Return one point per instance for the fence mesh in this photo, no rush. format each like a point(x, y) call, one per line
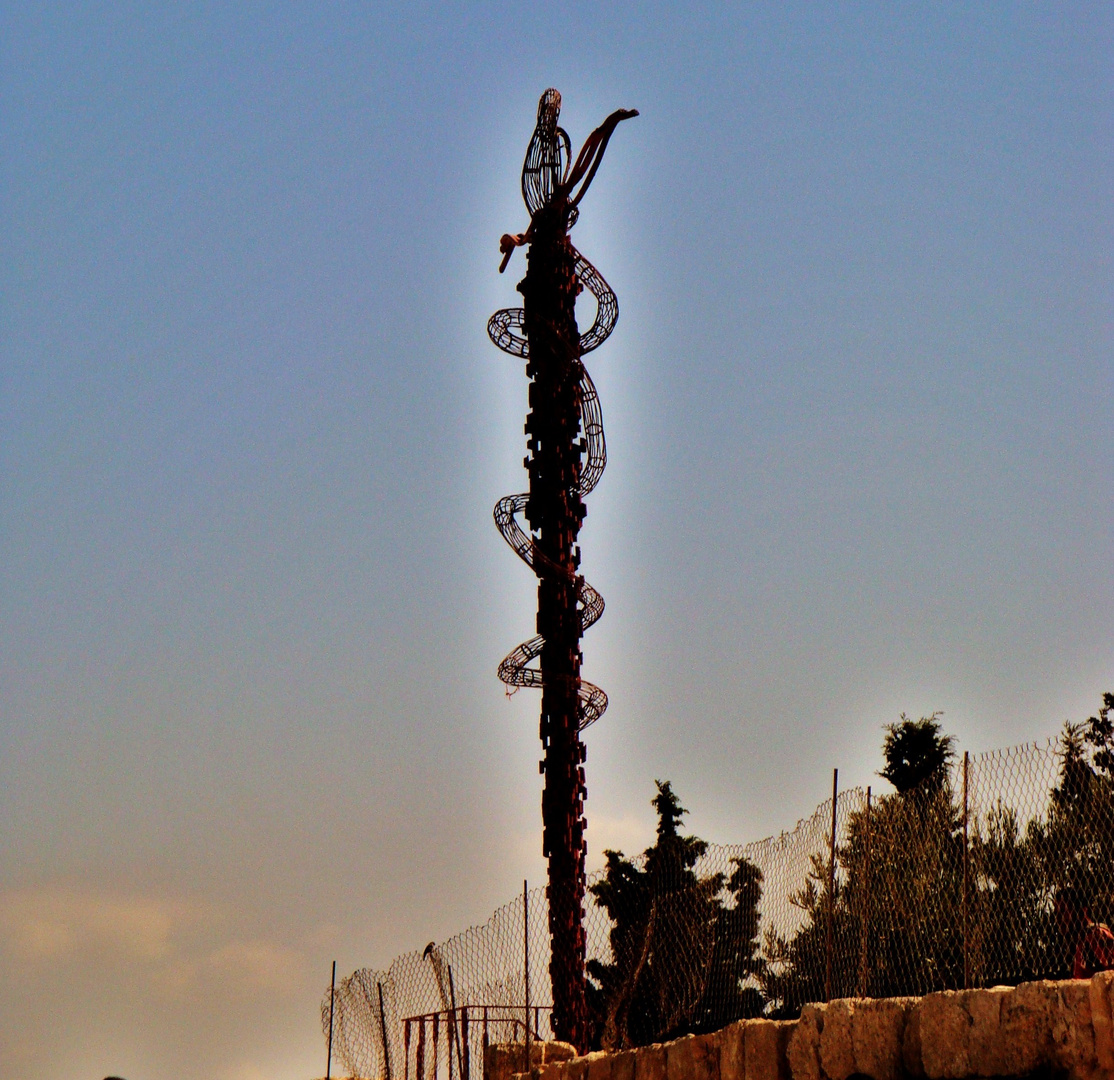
point(951, 884)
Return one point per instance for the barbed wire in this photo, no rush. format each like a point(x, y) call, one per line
point(947, 885)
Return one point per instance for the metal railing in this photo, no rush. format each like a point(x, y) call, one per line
point(426, 1050)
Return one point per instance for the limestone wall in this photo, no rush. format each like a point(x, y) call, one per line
point(1044, 1029)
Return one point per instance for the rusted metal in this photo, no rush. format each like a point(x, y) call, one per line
point(865, 901)
point(966, 877)
point(831, 891)
point(454, 1030)
point(526, 966)
point(332, 1006)
point(462, 1020)
point(466, 1061)
point(383, 1032)
point(566, 458)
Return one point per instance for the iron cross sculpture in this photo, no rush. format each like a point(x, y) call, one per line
point(566, 458)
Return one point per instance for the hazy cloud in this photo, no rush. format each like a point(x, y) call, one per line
point(258, 965)
point(178, 942)
point(61, 924)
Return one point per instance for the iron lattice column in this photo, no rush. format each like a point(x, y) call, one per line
point(555, 512)
point(565, 460)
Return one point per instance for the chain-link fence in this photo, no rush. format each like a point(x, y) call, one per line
point(957, 882)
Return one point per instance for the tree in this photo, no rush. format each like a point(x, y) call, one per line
point(895, 908)
point(1068, 849)
point(900, 887)
point(917, 754)
point(682, 945)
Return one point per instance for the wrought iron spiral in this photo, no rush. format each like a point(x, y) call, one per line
point(505, 330)
point(548, 173)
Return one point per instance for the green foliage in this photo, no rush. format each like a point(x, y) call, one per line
point(900, 903)
point(1018, 872)
point(681, 945)
point(917, 754)
point(895, 929)
point(910, 909)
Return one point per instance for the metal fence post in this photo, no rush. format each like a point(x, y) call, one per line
point(455, 1031)
point(466, 1063)
point(865, 903)
point(966, 878)
point(419, 1054)
point(526, 965)
point(831, 892)
point(406, 1050)
point(383, 1032)
point(332, 1004)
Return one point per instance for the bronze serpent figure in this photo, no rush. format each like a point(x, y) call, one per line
point(549, 178)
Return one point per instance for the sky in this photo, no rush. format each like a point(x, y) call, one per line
point(252, 600)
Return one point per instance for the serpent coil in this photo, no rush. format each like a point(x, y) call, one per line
point(548, 178)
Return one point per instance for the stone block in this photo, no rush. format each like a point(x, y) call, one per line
point(730, 1040)
point(764, 1050)
point(705, 1057)
point(986, 1052)
point(599, 1065)
point(505, 1060)
point(944, 1029)
point(576, 1068)
point(837, 1057)
point(911, 1042)
point(551, 1070)
point(556, 1051)
point(1056, 1029)
point(1073, 1033)
point(803, 1050)
point(877, 1033)
point(1101, 995)
point(1026, 1027)
point(649, 1062)
point(622, 1065)
point(679, 1061)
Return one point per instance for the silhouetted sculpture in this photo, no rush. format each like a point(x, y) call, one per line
point(566, 458)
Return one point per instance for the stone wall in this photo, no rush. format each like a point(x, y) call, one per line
point(1043, 1029)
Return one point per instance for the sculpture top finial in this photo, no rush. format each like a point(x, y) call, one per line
point(547, 157)
point(548, 173)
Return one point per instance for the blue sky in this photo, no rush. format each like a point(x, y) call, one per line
point(251, 430)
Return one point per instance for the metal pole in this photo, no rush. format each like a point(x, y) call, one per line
point(831, 892)
point(455, 1031)
point(332, 1002)
point(383, 1032)
point(436, 1039)
point(864, 912)
point(406, 1050)
point(485, 1043)
point(966, 878)
point(526, 964)
point(466, 1067)
point(419, 1054)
